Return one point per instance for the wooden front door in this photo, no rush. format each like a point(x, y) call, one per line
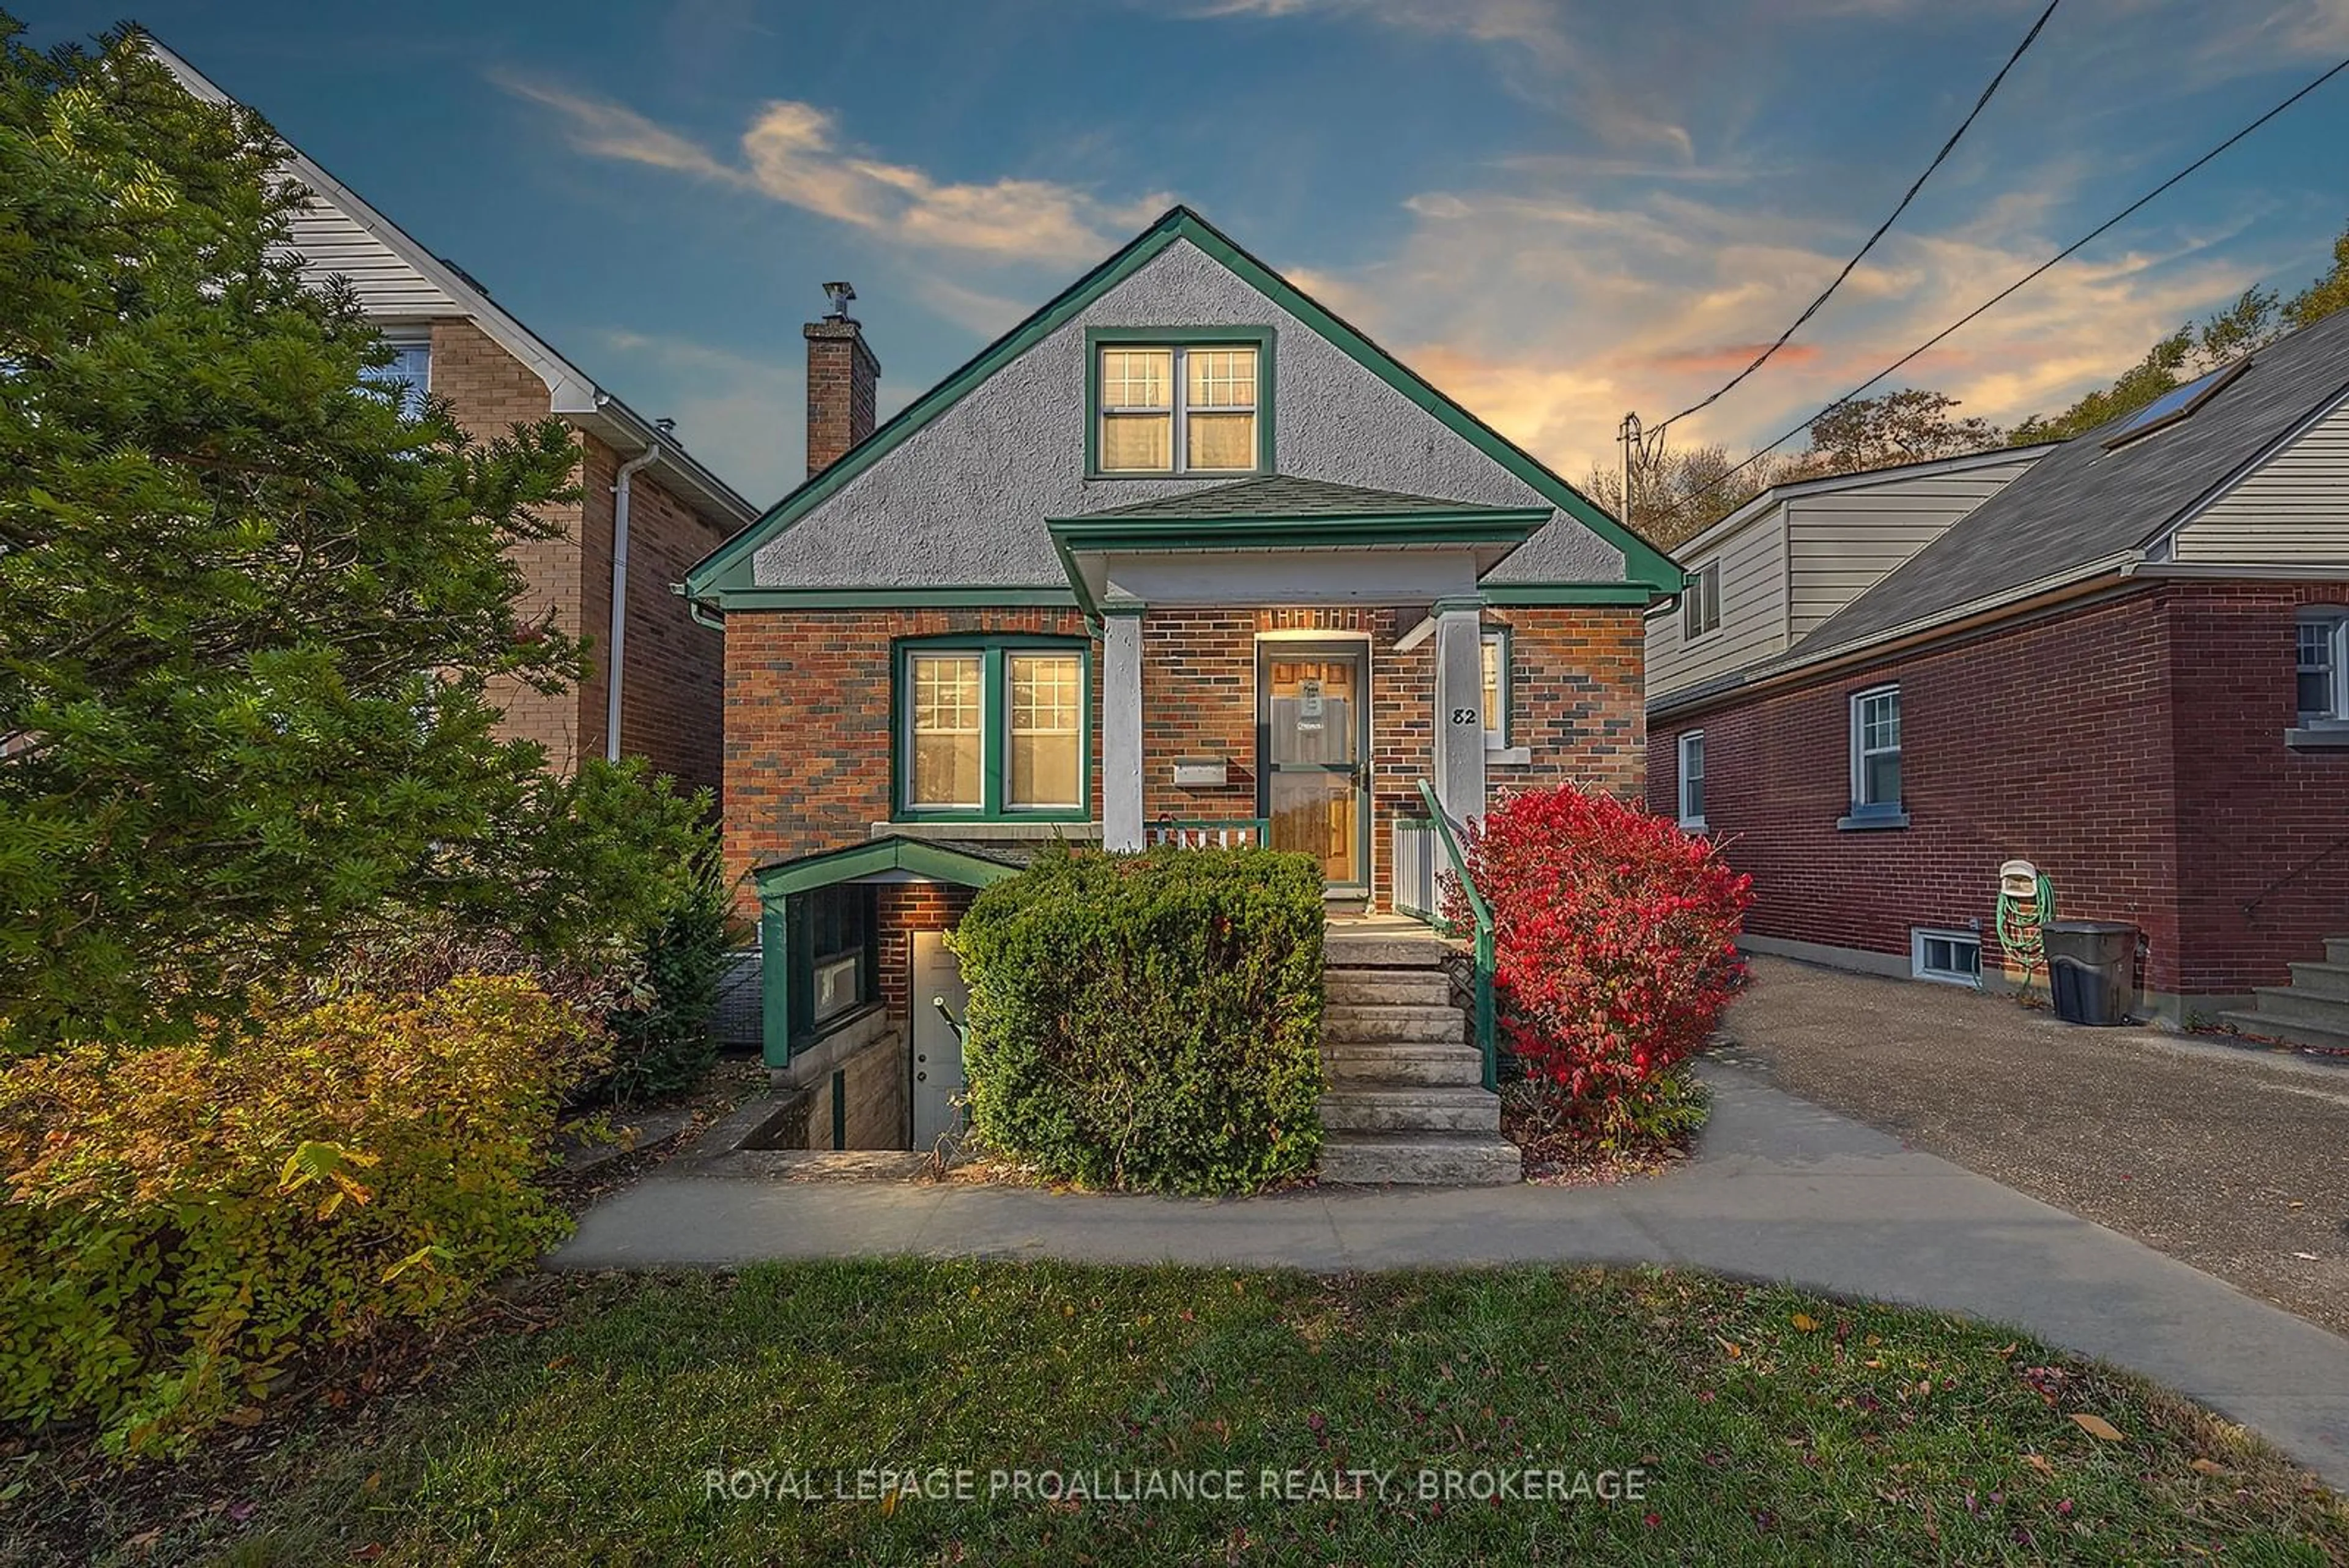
point(1313, 743)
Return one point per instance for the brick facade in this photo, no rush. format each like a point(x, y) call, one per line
point(842, 391)
point(2132, 748)
point(672, 709)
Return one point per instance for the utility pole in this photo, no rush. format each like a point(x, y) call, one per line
point(1629, 435)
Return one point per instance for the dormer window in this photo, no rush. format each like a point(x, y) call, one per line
point(1180, 403)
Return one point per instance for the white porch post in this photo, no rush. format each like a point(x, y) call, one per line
point(1459, 709)
point(1121, 728)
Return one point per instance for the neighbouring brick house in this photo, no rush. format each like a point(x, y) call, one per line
point(1182, 555)
point(646, 512)
point(2123, 658)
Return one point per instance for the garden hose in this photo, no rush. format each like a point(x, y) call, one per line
point(2020, 920)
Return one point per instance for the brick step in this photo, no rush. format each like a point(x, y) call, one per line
point(2296, 1006)
point(1358, 1023)
point(1345, 950)
point(2268, 1026)
point(1421, 1160)
point(1377, 1064)
point(1408, 988)
point(2336, 950)
point(2320, 979)
point(1354, 1107)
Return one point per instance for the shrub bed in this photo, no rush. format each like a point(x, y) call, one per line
point(1150, 1021)
point(178, 1223)
point(1614, 954)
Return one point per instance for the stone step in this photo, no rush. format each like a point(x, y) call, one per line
point(2320, 979)
point(1358, 1022)
point(1352, 1108)
point(1390, 987)
point(2271, 1027)
point(1421, 1160)
point(2336, 950)
point(1370, 1065)
point(1346, 950)
point(2296, 1006)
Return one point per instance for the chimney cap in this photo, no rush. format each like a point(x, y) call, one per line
point(839, 294)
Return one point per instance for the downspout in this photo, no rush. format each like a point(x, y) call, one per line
point(614, 660)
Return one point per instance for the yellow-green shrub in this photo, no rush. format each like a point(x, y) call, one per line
point(178, 1223)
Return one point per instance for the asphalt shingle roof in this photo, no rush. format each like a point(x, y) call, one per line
point(1285, 496)
point(2081, 504)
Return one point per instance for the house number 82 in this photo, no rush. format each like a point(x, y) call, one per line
point(1464, 715)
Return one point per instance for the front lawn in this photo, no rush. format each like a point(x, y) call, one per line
point(1765, 1425)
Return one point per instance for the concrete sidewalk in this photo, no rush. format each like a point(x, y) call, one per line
point(1779, 1190)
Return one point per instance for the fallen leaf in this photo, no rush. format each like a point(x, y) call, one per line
point(1731, 1348)
point(2007, 1349)
point(2097, 1427)
point(559, 1363)
point(2299, 1203)
point(2210, 1467)
point(2039, 1462)
point(1806, 1321)
point(2309, 1256)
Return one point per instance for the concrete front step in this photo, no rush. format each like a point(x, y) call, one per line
point(1373, 1063)
point(1357, 1024)
point(1353, 1106)
point(1344, 950)
point(2336, 950)
point(1421, 1160)
point(2321, 978)
point(2274, 1028)
point(1386, 987)
point(2293, 1005)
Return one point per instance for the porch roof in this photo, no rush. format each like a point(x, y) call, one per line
point(963, 863)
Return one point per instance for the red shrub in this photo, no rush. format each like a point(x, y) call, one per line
point(1614, 938)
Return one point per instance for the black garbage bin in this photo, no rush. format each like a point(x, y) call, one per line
point(2091, 968)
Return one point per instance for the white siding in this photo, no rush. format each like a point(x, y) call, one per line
point(334, 243)
point(1753, 610)
point(2295, 507)
point(1843, 543)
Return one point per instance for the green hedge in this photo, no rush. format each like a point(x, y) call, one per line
point(1151, 1021)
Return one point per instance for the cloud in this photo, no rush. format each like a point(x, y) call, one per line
point(792, 153)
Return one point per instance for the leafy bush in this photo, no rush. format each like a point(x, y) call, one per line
point(1150, 1021)
point(664, 1044)
point(178, 1222)
point(1614, 945)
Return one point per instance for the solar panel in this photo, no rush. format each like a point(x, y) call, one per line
point(2176, 404)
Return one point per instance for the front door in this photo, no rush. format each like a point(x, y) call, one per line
point(1313, 721)
point(937, 1043)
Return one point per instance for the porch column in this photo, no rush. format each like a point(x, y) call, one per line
point(1121, 728)
point(1459, 709)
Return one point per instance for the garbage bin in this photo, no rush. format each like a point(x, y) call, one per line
point(2091, 968)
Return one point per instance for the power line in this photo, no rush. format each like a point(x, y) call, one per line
point(2033, 276)
point(1861, 255)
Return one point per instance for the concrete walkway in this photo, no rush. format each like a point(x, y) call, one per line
point(1779, 1190)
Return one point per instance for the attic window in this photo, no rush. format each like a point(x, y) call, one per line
point(1180, 403)
point(2177, 403)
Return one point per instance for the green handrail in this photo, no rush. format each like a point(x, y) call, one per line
point(1487, 1043)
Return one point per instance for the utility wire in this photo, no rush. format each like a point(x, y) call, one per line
point(1861, 255)
point(2033, 276)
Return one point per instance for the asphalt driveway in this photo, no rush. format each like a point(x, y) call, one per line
point(2233, 1161)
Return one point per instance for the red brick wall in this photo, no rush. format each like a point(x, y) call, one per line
point(2115, 745)
point(1576, 699)
point(843, 388)
point(901, 910)
point(673, 713)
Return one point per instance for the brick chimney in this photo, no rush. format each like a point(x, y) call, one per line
point(841, 378)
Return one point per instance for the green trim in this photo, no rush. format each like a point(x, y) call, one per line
point(1259, 337)
point(1487, 1031)
point(1643, 563)
point(1095, 535)
point(932, 862)
point(889, 598)
point(774, 985)
point(1536, 596)
point(994, 717)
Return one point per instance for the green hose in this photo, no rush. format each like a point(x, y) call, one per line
point(2019, 924)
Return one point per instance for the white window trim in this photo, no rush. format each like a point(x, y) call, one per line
point(401, 340)
point(1496, 736)
point(2337, 625)
point(1920, 935)
point(1178, 410)
point(1680, 781)
point(1694, 597)
point(1860, 807)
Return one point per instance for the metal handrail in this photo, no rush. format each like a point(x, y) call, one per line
point(1487, 1045)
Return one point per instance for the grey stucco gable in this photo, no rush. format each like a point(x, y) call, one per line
point(959, 501)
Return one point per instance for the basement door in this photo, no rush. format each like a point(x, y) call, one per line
point(1313, 742)
point(937, 1042)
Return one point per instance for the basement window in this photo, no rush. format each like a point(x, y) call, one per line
point(1951, 958)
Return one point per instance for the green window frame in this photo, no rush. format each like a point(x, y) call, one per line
point(1179, 341)
point(993, 727)
point(834, 939)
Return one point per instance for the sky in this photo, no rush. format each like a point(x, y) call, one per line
point(1555, 210)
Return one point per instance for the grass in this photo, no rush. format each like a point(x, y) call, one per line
point(1771, 1426)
